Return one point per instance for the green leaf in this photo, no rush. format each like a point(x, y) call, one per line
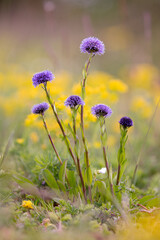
point(62, 172)
point(50, 180)
point(102, 188)
point(154, 202)
point(71, 178)
point(123, 167)
point(150, 201)
point(145, 199)
point(61, 186)
point(70, 129)
point(21, 179)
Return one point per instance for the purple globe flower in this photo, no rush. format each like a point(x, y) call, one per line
point(92, 45)
point(101, 110)
point(126, 122)
point(40, 108)
point(74, 101)
point(42, 77)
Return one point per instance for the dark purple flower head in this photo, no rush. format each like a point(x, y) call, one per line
point(74, 101)
point(92, 45)
point(42, 77)
point(101, 110)
point(40, 108)
point(126, 122)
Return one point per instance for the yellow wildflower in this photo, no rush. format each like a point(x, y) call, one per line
point(117, 86)
point(76, 89)
point(97, 144)
point(143, 107)
point(20, 140)
point(30, 119)
point(143, 76)
point(43, 146)
point(34, 137)
point(111, 141)
point(27, 204)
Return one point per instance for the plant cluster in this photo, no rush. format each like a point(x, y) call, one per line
point(82, 182)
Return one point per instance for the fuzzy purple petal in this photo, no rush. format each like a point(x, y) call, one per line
point(74, 101)
point(42, 77)
point(101, 110)
point(92, 45)
point(40, 108)
point(126, 122)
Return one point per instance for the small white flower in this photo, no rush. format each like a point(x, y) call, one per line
point(102, 170)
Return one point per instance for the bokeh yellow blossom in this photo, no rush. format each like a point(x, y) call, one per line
point(117, 85)
point(143, 76)
point(34, 137)
point(27, 204)
point(20, 140)
point(142, 106)
point(30, 119)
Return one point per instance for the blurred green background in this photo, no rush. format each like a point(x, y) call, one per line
point(38, 34)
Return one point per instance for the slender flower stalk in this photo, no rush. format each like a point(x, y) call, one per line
point(103, 140)
point(77, 156)
point(40, 109)
point(85, 74)
point(83, 84)
point(125, 123)
point(74, 102)
point(102, 111)
point(93, 46)
point(77, 164)
point(50, 139)
point(59, 123)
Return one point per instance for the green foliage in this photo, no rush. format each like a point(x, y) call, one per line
point(49, 178)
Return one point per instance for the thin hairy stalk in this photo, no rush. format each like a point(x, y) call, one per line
point(81, 178)
point(86, 154)
point(60, 124)
point(145, 139)
point(121, 151)
point(83, 84)
point(103, 136)
point(85, 74)
point(74, 113)
point(50, 139)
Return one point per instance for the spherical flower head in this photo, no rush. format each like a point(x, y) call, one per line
point(74, 101)
point(126, 122)
point(42, 77)
point(40, 108)
point(92, 45)
point(101, 110)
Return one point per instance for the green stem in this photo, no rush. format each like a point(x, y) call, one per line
point(103, 135)
point(121, 152)
point(50, 139)
point(83, 84)
point(85, 74)
point(74, 113)
point(66, 139)
point(60, 124)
